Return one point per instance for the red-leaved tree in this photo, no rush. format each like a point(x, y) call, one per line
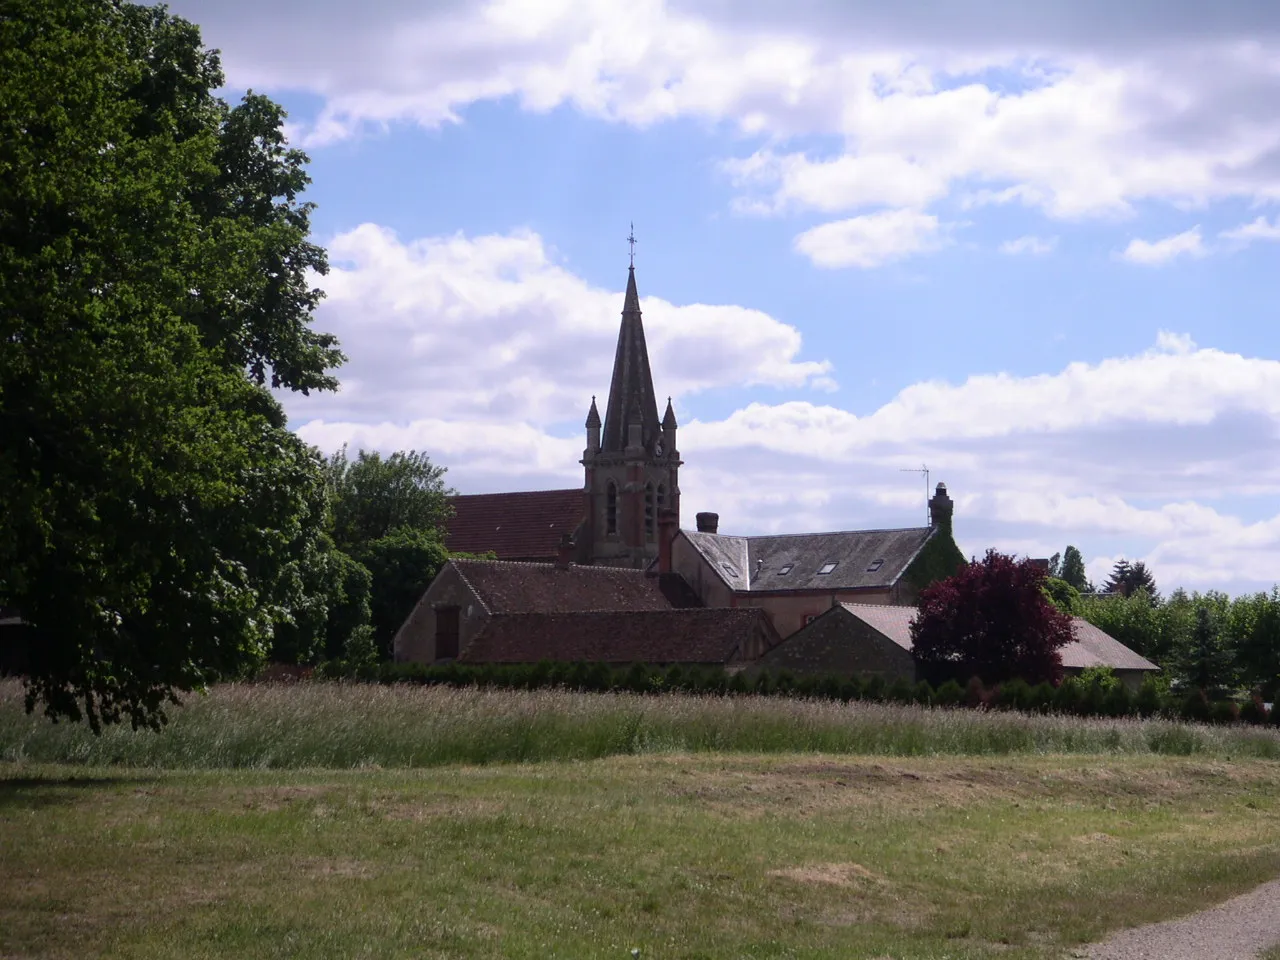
point(991, 620)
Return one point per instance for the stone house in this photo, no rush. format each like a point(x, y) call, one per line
point(856, 638)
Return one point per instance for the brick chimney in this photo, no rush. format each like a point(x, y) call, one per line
point(941, 507)
point(564, 553)
point(668, 527)
point(708, 523)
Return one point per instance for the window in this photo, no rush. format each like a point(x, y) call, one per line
point(875, 565)
point(662, 496)
point(807, 619)
point(828, 566)
point(648, 511)
point(611, 509)
point(446, 633)
point(785, 569)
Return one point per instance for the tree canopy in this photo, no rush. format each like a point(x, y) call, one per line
point(1128, 578)
point(154, 508)
point(992, 619)
point(374, 496)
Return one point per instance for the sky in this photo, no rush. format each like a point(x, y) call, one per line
point(1034, 247)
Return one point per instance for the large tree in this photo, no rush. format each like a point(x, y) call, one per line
point(993, 620)
point(1072, 570)
point(155, 511)
point(374, 496)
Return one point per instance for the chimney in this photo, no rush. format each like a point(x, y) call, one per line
point(668, 527)
point(564, 553)
point(708, 523)
point(941, 507)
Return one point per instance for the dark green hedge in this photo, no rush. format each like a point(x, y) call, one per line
point(1090, 698)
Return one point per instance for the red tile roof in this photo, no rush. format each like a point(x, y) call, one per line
point(515, 526)
point(506, 587)
point(716, 635)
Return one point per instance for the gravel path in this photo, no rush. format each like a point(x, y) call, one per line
point(1236, 930)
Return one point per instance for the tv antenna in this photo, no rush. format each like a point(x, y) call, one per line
point(922, 469)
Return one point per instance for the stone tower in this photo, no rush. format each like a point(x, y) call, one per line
point(631, 461)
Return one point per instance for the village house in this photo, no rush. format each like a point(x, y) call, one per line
point(605, 573)
point(875, 639)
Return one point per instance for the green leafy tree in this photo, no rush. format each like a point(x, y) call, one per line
point(1063, 595)
point(374, 496)
point(1254, 637)
point(1072, 570)
point(1209, 665)
point(337, 594)
point(401, 564)
point(153, 265)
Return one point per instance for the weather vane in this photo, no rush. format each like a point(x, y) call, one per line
point(631, 239)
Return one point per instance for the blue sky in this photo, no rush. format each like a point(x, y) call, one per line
point(1036, 248)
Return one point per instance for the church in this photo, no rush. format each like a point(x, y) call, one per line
point(607, 572)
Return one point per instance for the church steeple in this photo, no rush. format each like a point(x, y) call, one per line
point(632, 384)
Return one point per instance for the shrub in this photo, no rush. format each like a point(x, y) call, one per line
point(975, 694)
point(949, 694)
point(1092, 699)
point(1012, 695)
point(1117, 702)
point(784, 683)
point(1195, 706)
point(1224, 711)
point(923, 693)
point(1040, 698)
point(1148, 701)
point(1066, 698)
point(1253, 710)
point(873, 687)
point(738, 682)
point(901, 691)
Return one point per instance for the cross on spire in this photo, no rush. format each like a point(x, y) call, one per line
point(631, 239)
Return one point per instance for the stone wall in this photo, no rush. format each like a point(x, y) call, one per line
point(415, 642)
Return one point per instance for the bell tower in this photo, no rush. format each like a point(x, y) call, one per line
point(631, 461)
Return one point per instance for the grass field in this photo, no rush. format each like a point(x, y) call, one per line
point(242, 837)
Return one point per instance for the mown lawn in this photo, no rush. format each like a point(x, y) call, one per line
point(678, 854)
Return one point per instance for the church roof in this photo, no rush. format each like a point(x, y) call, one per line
point(515, 526)
point(632, 383)
point(1090, 647)
point(709, 635)
point(506, 587)
point(853, 559)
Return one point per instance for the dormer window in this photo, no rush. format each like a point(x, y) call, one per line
point(785, 569)
point(875, 565)
point(827, 567)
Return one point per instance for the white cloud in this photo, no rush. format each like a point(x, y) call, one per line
point(1259, 229)
point(1148, 456)
point(1189, 243)
point(1029, 245)
point(491, 328)
point(1047, 107)
point(871, 240)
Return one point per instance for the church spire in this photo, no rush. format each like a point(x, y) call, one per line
point(632, 384)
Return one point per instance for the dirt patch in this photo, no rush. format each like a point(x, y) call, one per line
point(830, 874)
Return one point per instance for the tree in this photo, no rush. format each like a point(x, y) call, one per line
point(154, 506)
point(993, 620)
point(1072, 570)
point(1254, 638)
point(1209, 666)
point(1063, 595)
point(1128, 578)
point(373, 497)
point(401, 564)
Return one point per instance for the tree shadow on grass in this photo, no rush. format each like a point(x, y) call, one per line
point(33, 793)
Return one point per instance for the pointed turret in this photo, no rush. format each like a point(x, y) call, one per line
point(669, 418)
point(593, 431)
point(593, 415)
point(632, 384)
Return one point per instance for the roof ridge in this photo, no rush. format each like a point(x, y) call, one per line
point(818, 533)
point(543, 564)
point(516, 493)
point(470, 586)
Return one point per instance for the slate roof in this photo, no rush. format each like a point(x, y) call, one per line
point(515, 526)
point(508, 587)
point(1090, 648)
point(854, 552)
point(631, 389)
point(709, 635)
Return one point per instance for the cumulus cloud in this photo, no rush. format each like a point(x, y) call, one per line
point(492, 328)
point(1189, 243)
point(1029, 246)
point(871, 240)
point(1035, 103)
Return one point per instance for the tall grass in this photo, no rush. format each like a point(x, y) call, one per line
point(351, 725)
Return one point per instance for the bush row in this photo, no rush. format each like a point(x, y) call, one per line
point(1097, 694)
